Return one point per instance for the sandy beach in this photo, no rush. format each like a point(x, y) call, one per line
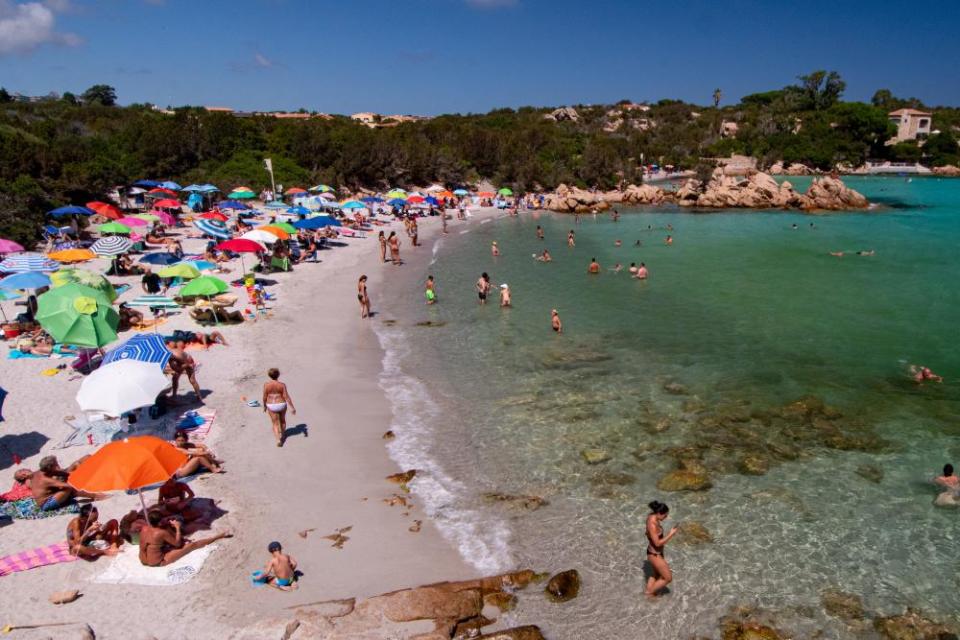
point(330, 475)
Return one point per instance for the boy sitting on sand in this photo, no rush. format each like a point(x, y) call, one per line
point(281, 570)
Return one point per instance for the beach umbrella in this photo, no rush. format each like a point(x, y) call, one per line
point(110, 246)
point(505, 191)
point(183, 270)
point(200, 264)
point(214, 228)
point(135, 191)
point(299, 211)
point(143, 347)
point(263, 237)
point(431, 200)
point(294, 190)
point(7, 295)
point(170, 184)
point(25, 280)
point(397, 202)
point(192, 188)
point(353, 204)
point(149, 217)
point(486, 194)
point(214, 215)
point(146, 184)
point(317, 222)
point(78, 315)
point(283, 226)
point(160, 258)
point(105, 209)
point(208, 188)
point(9, 246)
point(130, 221)
point(114, 227)
point(241, 245)
point(242, 194)
point(163, 217)
point(232, 204)
point(154, 302)
point(204, 286)
point(71, 210)
point(131, 463)
point(281, 234)
point(29, 261)
point(397, 193)
point(321, 188)
point(167, 203)
point(85, 278)
point(160, 191)
point(276, 204)
point(371, 199)
point(443, 194)
point(328, 196)
point(460, 192)
point(72, 255)
point(329, 204)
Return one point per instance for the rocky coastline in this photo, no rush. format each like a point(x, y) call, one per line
point(757, 190)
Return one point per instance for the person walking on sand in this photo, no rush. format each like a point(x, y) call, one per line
point(494, 249)
point(382, 239)
point(276, 399)
point(483, 287)
point(182, 363)
point(505, 300)
point(363, 296)
point(430, 293)
point(443, 219)
point(555, 321)
point(414, 232)
point(662, 576)
point(571, 242)
point(394, 243)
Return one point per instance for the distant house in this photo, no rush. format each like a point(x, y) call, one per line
point(911, 124)
point(366, 117)
point(219, 109)
point(728, 129)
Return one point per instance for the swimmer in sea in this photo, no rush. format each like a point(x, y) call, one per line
point(637, 244)
point(923, 374)
point(837, 254)
point(866, 253)
point(539, 232)
point(570, 239)
point(641, 272)
point(544, 257)
point(669, 241)
point(505, 295)
point(430, 293)
point(617, 243)
point(483, 287)
point(633, 268)
point(594, 267)
point(617, 268)
point(555, 321)
point(794, 226)
point(949, 479)
point(494, 249)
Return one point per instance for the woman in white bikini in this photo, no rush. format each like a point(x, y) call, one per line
point(275, 403)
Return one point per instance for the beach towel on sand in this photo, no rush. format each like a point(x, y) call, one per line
point(39, 557)
point(126, 568)
point(107, 430)
point(26, 509)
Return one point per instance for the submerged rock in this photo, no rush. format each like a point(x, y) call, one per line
point(846, 606)
point(563, 586)
point(912, 625)
point(431, 323)
point(528, 632)
point(530, 503)
point(746, 630)
point(595, 456)
point(870, 472)
point(682, 480)
point(754, 465)
point(501, 600)
point(694, 533)
point(675, 388)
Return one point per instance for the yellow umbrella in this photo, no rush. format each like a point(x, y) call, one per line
point(73, 255)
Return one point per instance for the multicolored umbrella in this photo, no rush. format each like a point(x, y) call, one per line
point(283, 226)
point(154, 302)
point(396, 193)
point(160, 191)
point(214, 228)
point(23, 262)
point(242, 194)
point(72, 255)
point(86, 278)
point(275, 230)
point(143, 347)
point(204, 286)
point(78, 315)
point(321, 188)
point(112, 246)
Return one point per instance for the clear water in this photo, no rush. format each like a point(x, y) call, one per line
point(747, 314)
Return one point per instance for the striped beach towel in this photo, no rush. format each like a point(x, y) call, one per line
point(39, 557)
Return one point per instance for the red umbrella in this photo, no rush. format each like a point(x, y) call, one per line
point(293, 190)
point(415, 199)
point(241, 245)
point(214, 215)
point(161, 191)
point(106, 210)
point(169, 203)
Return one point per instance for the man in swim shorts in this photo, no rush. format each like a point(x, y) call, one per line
point(483, 287)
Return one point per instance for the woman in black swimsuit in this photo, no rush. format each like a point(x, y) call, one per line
point(662, 576)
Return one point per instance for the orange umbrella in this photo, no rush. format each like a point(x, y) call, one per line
point(132, 463)
point(73, 255)
point(443, 194)
point(105, 209)
point(486, 194)
point(277, 231)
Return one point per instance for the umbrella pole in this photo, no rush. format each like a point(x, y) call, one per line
point(143, 503)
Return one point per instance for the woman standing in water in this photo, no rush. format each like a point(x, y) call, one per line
point(662, 576)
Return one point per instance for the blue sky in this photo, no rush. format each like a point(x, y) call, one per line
point(441, 56)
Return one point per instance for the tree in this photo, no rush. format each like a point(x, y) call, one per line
point(941, 149)
point(69, 98)
point(883, 98)
point(5, 95)
point(102, 94)
point(820, 90)
point(716, 97)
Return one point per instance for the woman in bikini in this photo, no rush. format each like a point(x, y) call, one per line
point(382, 239)
point(275, 403)
point(363, 297)
point(394, 243)
point(662, 576)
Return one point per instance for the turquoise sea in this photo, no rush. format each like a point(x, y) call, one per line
point(697, 366)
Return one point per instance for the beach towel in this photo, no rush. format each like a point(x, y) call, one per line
point(198, 429)
point(16, 354)
point(17, 492)
point(126, 568)
point(39, 557)
point(85, 430)
point(26, 509)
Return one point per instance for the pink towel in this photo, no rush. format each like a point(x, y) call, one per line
point(39, 557)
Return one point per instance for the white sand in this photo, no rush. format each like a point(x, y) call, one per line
point(329, 475)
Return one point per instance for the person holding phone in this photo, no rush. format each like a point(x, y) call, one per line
point(662, 576)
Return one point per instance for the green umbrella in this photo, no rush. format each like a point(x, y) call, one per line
point(85, 278)
point(78, 315)
point(286, 226)
point(204, 286)
point(241, 195)
point(149, 217)
point(114, 227)
point(505, 191)
point(180, 270)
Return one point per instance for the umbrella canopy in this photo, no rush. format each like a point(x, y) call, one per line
point(114, 227)
point(415, 199)
point(154, 301)
point(317, 222)
point(160, 258)
point(283, 226)
point(105, 209)
point(25, 280)
point(170, 184)
point(147, 184)
point(183, 270)
point(112, 246)
point(204, 286)
point(299, 211)
point(163, 217)
point(460, 192)
point(371, 199)
point(192, 188)
point(143, 347)
point(294, 190)
point(214, 215)
point(443, 194)
point(9, 246)
point(71, 210)
point(149, 217)
point(72, 255)
point(397, 193)
point(505, 191)
point(352, 204)
point(86, 278)
point(431, 200)
point(130, 221)
point(241, 245)
point(276, 204)
point(167, 203)
point(263, 237)
point(321, 188)
point(124, 465)
point(242, 194)
point(23, 262)
point(232, 204)
point(208, 188)
point(275, 230)
point(160, 191)
point(78, 315)
point(329, 196)
point(214, 228)
point(486, 194)
point(397, 202)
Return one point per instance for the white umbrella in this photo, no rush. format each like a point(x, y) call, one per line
point(263, 237)
point(121, 386)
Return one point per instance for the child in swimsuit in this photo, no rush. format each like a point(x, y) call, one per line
point(281, 571)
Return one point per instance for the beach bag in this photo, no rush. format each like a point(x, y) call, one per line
point(158, 408)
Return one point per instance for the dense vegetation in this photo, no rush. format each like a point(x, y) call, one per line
point(75, 149)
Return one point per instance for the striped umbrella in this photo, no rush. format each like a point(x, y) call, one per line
point(30, 261)
point(213, 228)
point(112, 246)
point(155, 302)
point(143, 347)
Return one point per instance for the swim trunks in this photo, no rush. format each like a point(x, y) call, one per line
point(284, 582)
point(51, 503)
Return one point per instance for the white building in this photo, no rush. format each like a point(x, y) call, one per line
point(911, 124)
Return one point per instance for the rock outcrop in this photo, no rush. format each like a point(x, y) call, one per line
point(912, 625)
point(573, 200)
point(684, 480)
point(563, 586)
point(760, 191)
point(563, 113)
point(950, 171)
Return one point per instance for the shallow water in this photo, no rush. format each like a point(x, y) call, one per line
point(744, 313)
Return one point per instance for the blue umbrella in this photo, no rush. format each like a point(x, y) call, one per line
point(213, 228)
point(146, 184)
point(276, 204)
point(397, 202)
point(431, 200)
point(143, 347)
point(192, 187)
point(298, 210)
point(208, 188)
point(460, 192)
point(317, 222)
point(170, 184)
point(232, 204)
point(371, 199)
point(71, 209)
point(25, 280)
point(161, 258)
point(23, 262)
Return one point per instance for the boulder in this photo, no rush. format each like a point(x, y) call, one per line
point(746, 630)
point(754, 465)
point(846, 606)
point(528, 632)
point(675, 388)
point(950, 171)
point(694, 533)
point(568, 114)
point(529, 503)
point(870, 472)
point(430, 603)
point(595, 456)
point(828, 193)
point(797, 169)
point(682, 480)
point(563, 586)
point(912, 625)
point(501, 600)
